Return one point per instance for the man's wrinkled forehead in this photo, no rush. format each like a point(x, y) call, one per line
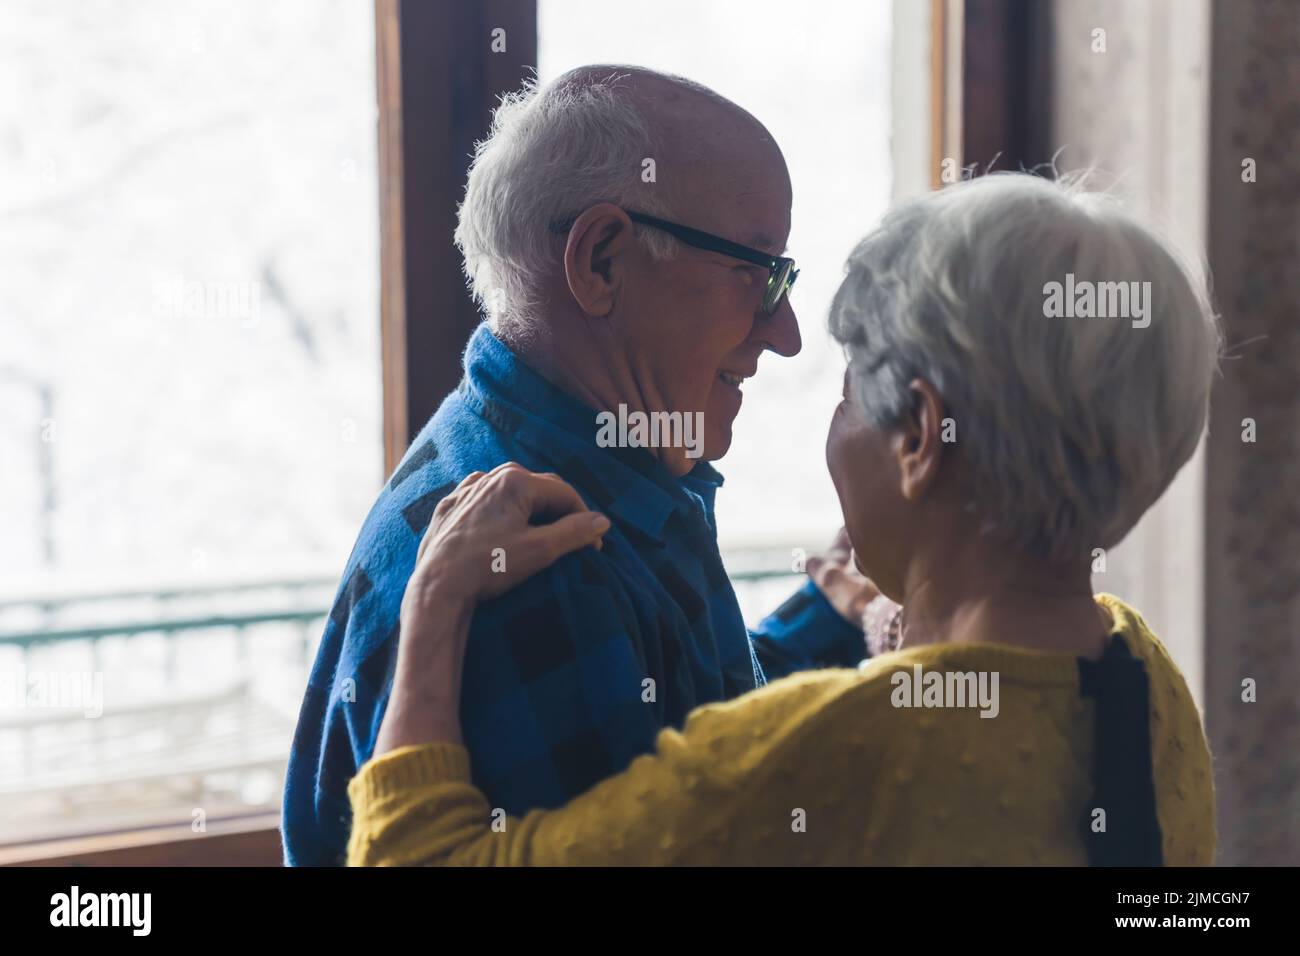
point(767, 221)
point(742, 194)
point(755, 214)
point(727, 169)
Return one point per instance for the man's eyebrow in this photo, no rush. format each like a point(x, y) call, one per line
point(764, 243)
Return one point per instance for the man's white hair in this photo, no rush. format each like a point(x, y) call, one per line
point(1072, 427)
point(551, 153)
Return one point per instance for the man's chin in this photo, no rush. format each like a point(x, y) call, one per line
point(717, 441)
point(714, 435)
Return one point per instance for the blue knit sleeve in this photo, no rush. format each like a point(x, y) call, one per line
point(805, 633)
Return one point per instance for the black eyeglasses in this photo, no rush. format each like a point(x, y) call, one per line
point(781, 271)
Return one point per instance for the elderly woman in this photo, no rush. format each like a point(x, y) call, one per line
point(1028, 370)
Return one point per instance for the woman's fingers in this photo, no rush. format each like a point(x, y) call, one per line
point(442, 508)
point(549, 496)
point(542, 546)
point(837, 577)
point(564, 524)
point(523, 522)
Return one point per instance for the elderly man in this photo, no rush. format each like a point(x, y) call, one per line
point(623, 231)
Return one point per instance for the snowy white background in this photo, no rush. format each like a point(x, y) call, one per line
point(152, 142)
point(152, 146)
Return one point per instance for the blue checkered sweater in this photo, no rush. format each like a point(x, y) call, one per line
point(572, 674)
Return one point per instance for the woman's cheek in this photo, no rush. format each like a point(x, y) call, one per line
point(835, 442)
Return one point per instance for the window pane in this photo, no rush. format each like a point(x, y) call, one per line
point(190, 387)
point(818, 77)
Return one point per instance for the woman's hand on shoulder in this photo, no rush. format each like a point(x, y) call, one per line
point(496, 530)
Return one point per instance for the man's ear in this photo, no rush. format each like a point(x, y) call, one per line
point(918, 440)
point(594, 257)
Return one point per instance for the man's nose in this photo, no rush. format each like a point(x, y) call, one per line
point(780, 330)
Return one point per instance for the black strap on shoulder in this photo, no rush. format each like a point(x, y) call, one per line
point(1129, 833)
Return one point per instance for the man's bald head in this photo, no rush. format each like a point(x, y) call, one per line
point(585, 138)
point(689, 121)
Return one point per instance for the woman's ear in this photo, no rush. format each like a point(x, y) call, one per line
point(594, 257)
point(919, 438)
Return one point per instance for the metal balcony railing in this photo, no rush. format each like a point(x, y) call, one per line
point(198, 691)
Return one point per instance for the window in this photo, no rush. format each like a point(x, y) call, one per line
point(191, 393)
point(815, 81)
point(193, 425)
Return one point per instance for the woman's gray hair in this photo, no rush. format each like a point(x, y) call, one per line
point(550, 154)
point(1071, 426)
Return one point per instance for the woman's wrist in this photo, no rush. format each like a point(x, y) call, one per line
point(424, 704)
point(435, 619)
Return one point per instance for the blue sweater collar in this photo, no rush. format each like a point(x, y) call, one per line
point(513, 398)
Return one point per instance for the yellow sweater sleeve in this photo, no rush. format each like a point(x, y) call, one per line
point(725, 774)
point(822, 767)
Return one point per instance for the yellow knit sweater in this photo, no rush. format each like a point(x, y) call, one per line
point(825, 767)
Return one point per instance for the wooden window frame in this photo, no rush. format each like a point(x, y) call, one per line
point(435, 94)
point(1006, 89)
point(252, 840)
